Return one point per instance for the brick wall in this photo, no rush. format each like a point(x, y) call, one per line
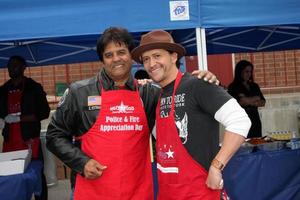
point(275, 72)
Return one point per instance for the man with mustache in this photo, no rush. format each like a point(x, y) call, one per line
point(189, 161)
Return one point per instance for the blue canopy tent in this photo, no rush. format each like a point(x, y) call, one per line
point(55, 32)
point(248, 26)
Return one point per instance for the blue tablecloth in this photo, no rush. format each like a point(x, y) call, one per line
point(22, 186)
point(272, 175)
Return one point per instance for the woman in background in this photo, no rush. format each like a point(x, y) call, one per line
point(248, 94)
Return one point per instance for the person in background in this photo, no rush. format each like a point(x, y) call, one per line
point(189, 161)
point(23, 104)
point(141, 74)
point(110, 117)
point(248, 94)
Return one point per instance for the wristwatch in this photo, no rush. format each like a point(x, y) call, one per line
point(217, 164)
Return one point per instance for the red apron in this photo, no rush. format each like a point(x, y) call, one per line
point(15, 141)
point(180, 177)
point(119, 139)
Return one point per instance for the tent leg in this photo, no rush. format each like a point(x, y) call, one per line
point(201, 48)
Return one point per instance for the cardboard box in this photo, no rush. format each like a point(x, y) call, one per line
point(14, 162)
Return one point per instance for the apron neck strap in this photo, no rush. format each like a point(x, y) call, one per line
point(102, 89)
point(177, 81)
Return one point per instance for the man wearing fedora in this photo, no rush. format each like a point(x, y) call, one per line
point(110, 118)
point(189, 161)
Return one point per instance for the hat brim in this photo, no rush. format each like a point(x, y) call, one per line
point(137, 52)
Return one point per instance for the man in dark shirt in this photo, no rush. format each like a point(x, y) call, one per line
point(186, 124)
point(23, 104)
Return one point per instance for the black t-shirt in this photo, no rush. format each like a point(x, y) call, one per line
point(196, 103)
point(238, 89)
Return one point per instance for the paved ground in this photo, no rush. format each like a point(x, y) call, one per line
point(60, 191)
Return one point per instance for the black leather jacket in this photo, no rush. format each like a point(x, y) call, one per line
point(74, 118)
point(33, 101)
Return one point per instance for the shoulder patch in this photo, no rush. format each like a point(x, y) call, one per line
point(63, 98)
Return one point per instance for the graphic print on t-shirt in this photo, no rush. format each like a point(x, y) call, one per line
point(181, 122)
point(182, 126)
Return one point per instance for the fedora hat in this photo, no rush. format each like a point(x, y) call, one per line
point(157, 39)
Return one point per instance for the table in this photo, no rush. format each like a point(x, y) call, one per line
point(22, 186)
point(264, 175)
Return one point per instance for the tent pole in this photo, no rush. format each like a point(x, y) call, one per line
point(201, 48)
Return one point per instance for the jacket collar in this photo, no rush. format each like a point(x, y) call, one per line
point(109, 84)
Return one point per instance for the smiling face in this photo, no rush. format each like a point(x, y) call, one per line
point(117, 62)
point(160, 65)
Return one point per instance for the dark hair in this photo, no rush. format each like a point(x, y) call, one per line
point(19, 59)
point(239, 67)
point(177, 61)
point(141, 74)
point(114, 34)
